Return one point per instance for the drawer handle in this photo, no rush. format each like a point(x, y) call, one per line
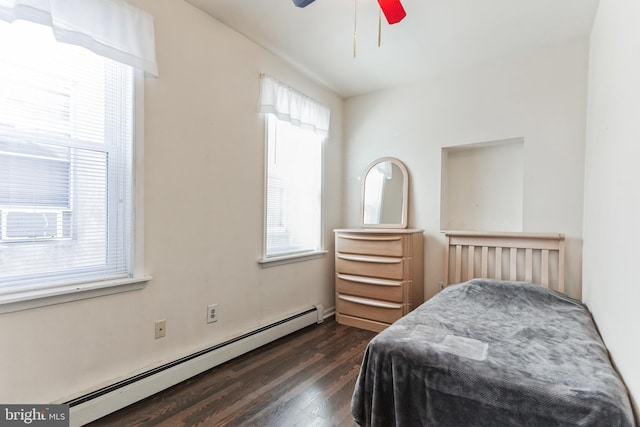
point(372, 238)
point(377, 260)
point(369, 302)
point(369, 280)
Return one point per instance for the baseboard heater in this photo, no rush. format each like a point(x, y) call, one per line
point(104, 401)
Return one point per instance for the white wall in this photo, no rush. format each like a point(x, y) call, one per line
point(612, 176)
point(204, 167)
point(539, 96)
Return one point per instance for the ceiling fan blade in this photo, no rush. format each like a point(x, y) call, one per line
point(393, 10)
point(303, 3)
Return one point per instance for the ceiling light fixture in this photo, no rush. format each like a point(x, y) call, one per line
point(392, 9)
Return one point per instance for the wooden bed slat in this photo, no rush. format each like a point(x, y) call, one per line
point(528, 265)
point(498, 263)
point(544, 264)
point(484, 262)
point(561, 267)
point(513, 269)
point(538, 265)
point(458, 267)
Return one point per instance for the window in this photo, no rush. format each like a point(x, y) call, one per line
point(66, 148)
point(294, 189)
point(296, 128)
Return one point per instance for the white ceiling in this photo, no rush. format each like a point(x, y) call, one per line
point(437, 36)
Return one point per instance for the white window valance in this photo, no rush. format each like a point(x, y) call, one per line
point(111, 28)
point(292, 106)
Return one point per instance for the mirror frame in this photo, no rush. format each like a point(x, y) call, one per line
point(405, 193)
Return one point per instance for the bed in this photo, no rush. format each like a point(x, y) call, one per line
point(494, 350)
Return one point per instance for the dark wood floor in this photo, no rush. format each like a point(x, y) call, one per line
point(304, 379)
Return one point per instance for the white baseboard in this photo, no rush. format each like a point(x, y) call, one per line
point(103, 402)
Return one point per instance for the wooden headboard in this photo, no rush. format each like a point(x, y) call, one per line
point(530, 257)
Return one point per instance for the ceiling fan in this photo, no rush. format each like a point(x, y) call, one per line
point(392, 9)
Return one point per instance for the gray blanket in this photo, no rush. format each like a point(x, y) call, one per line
point(491, 353)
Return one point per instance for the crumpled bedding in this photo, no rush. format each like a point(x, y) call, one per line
point(491, 353)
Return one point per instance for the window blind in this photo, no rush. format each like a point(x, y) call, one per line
point(66, 137)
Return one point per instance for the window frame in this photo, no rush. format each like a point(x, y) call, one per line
point(33, 296)
point(286, 258)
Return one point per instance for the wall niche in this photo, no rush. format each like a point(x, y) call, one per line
point(482, 186)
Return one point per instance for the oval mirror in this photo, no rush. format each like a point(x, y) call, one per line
point(385, 190)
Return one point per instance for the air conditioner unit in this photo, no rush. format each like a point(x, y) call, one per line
point(34, 224)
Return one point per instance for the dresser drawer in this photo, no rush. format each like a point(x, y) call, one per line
point(383, 289)
point(385, 245)
point(366, 308)
point(369, 266)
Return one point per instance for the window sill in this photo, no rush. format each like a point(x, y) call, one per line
point(33, 298)
point(288, 259)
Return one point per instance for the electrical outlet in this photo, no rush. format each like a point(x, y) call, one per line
point(212, 313)
point(161, 328)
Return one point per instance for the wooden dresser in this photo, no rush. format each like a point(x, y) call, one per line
point(379, 275)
